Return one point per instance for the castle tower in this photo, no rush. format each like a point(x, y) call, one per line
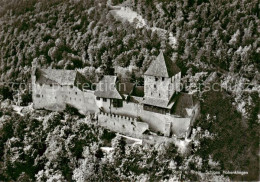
point(161, 80)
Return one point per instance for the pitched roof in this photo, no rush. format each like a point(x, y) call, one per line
point(162, 67)
point(106, 88)
point(138, 91)
point(61, 77)
point(125, 88)
point(184, 102)
point(158, 102)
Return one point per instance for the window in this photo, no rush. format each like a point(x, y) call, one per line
point(76, 93)
point(104, 99)
point(162, 78)
point(98, 98)
point(117, 103)
point(71, 86)
point(38, 95)
point(41, 84)
point(159, 95)
point(42, 95)
point(156, 79)
point(50, 85)
point(154, 86)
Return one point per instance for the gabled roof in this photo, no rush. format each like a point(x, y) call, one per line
point(138, 91)
point(61, 77)
point(162, 67)
point(158, 102)
point(125, 88)
point(106, 88)
point(184, 102)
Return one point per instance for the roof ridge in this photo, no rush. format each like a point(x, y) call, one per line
point(162, 67)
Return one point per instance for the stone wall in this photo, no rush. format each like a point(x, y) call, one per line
point(46, 97)
point(122, 124)
point(56, 97)
point(195, 116)
point(163, 88)
point(165, 124)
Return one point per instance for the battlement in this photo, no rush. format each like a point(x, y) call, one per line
point(122, 124)
point(154, 111)
point(117, 116)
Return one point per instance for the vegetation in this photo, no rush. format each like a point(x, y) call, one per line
point(63, 147)
point(235, 143)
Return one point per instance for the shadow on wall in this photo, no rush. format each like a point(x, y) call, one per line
point(122, 124)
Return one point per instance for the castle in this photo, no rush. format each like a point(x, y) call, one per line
point(157, 107)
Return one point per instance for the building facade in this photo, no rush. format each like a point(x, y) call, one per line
point(55, 89)
point(161, 82)
point(158, 107)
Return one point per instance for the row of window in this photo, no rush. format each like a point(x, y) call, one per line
point(76, 93)
point(156, 78)
point(38, 96)
point(152, 94)
point(169, 86)
point(104, 99)
point(71, 86)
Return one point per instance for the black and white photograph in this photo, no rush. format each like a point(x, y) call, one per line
point(129, 90)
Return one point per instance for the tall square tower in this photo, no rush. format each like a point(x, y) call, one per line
point(161, 80)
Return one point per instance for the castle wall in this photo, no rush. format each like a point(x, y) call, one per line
point(194, 116)
point(163, 89)
point(56, 97)
point(157, 89)
point(165, 124)
point(122, 124)
point(177, 82)
point(46, 97)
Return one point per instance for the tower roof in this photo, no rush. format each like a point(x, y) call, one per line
point(162, 67)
